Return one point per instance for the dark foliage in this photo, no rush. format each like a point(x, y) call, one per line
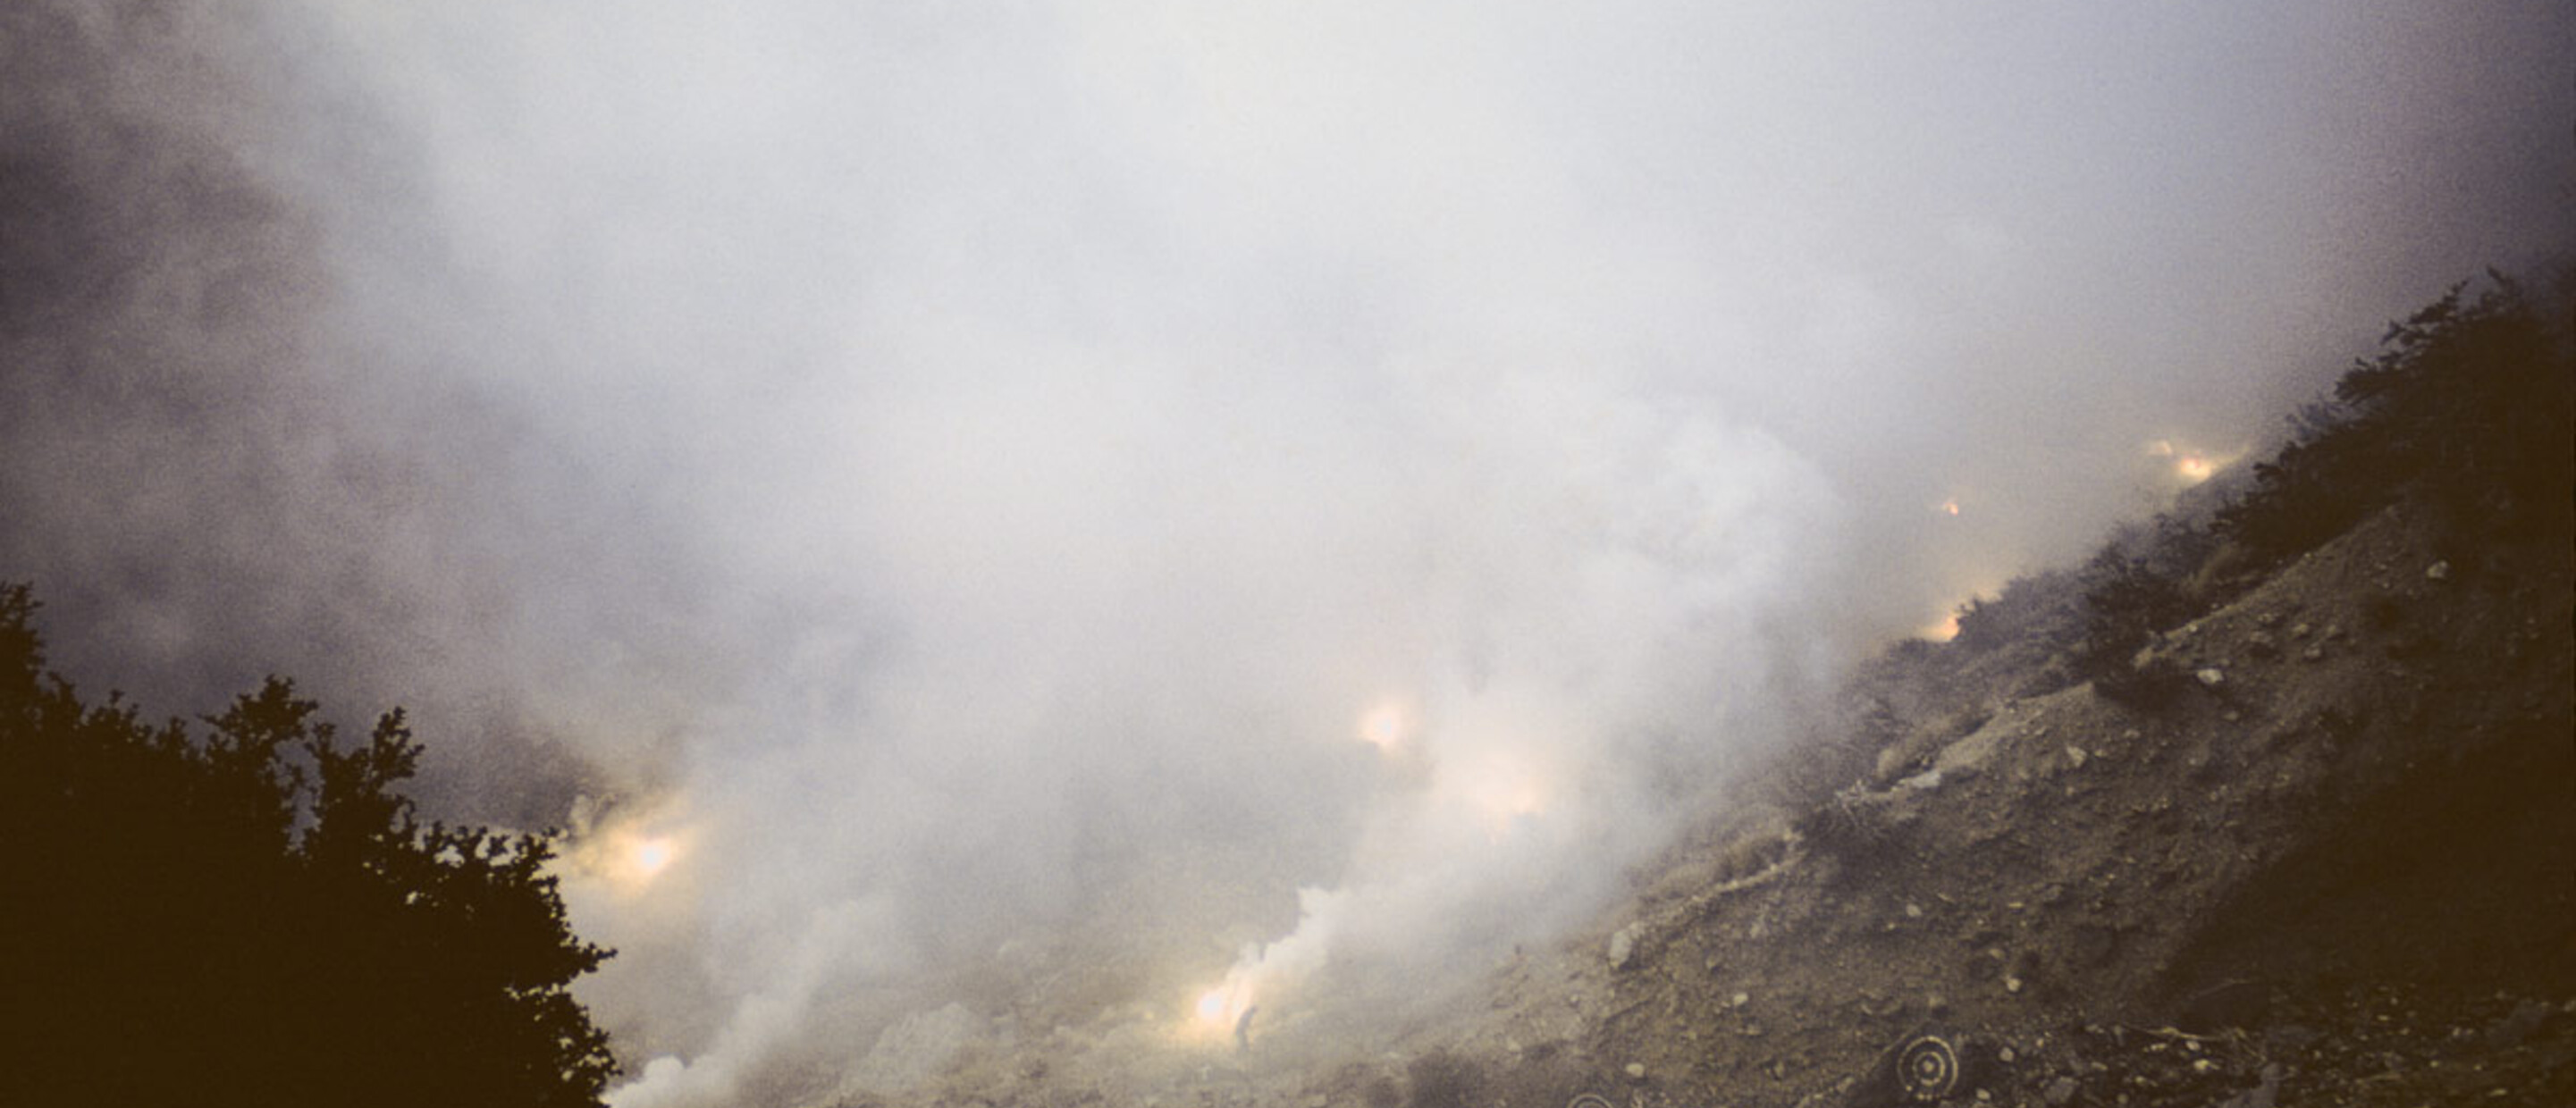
point(2126, 603)
point(252, 915)
point(2472, 403)
point(2469, 407)
point(2030, 609)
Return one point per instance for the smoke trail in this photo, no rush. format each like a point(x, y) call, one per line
point(984, 508)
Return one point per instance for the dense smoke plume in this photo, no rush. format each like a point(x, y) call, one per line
point(932, 499)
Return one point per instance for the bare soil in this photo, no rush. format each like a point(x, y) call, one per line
point(2336, 866)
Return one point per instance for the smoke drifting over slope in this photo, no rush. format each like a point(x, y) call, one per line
point(985, 491)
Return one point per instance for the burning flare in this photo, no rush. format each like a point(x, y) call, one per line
point(648, 857)
point(1223, 1013)
point(1383, 726)
point(2191, 466)
point(626, 848)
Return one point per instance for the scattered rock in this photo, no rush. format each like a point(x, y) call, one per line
point(2211, 677)
point(2518, 1025)
point(2059, 1092)
point(1636, 1071)
point(1966, 756)
point(1876, 1008)
point(2264, 1095)
point(2438, 571)
point(1925, 781)
point(1623, 946)
point(1891, 761)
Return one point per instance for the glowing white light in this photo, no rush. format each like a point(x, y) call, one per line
point(1501, 792)
point(1510, 800)
point(1383, 726)
point(2191, 465)
point(650, 856)
point(1220, 1009)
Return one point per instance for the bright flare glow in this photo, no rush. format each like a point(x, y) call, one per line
point(2190, 465)
point(1503, 791)
point(650, 856)
point(1383, 726)
point(1949, 507)
point(1512, 801)
point(1218, 1010)
point(633, 860)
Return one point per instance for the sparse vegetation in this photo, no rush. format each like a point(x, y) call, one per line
point(2127, 602)
point(2030, 609)
point(2470, 403)
point(2473, 401)
point(253, 915)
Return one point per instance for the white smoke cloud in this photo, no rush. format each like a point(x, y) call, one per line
point(958, 481)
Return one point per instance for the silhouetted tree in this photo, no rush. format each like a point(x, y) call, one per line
point(254, 916)
point(2471, 402)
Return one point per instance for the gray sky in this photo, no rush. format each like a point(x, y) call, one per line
point(961, 479)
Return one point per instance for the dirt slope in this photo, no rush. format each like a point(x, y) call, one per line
point(2343, 862)
point(2338, 866)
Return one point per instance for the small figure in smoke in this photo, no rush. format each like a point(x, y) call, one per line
point(1243, 1029)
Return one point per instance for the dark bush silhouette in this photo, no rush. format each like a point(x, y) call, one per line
point(2030, 609)
point(2471, 408)
point(253, 916)
point(2472, 403)
point(2127, 601)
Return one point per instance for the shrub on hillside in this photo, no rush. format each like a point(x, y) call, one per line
point(2471, 401)
point(2036, 609)
point(2132, 592)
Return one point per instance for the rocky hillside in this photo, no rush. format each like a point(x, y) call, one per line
point(2209, 823)
point(2340, 868)
point(2337, 867)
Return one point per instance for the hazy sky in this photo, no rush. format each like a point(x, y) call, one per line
point(984, 487)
